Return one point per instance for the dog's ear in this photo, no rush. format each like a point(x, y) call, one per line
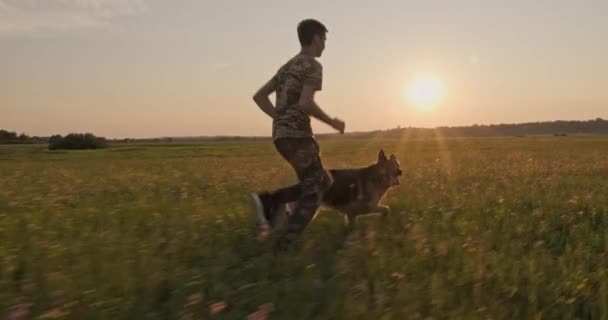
point(392, 157)
point(381, 156)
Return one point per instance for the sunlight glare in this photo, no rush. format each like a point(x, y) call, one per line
point(424, 90)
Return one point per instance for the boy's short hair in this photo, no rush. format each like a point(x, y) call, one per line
point(308, 28)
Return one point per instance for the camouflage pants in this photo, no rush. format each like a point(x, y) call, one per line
point(303, 155)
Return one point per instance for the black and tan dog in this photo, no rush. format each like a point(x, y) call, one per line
point(356, 192)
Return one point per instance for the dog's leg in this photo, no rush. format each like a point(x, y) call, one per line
point(384, 210)
point(350, 220)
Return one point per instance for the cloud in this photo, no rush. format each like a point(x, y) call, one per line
point(19, 17)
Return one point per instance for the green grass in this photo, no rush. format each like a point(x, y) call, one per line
point(511, 228)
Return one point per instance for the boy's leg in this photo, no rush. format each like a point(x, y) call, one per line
point(286, 195)
point(314, 180)
point(269, 206)
point(303, 155)
point(273, 204)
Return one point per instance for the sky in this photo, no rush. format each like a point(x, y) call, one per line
point(154, 68)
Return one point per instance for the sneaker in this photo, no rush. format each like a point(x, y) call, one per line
point(262, 225)
point(266, 212)
point(261, 216)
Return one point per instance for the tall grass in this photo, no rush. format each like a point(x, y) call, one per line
point(512, 228)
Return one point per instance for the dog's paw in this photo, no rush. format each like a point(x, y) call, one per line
point(349, 221)
point(384, 210)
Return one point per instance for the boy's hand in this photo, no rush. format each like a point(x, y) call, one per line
point(338, 125)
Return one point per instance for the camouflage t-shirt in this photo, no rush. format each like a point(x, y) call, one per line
point(290, 120)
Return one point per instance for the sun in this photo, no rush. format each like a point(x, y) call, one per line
point(424, 90)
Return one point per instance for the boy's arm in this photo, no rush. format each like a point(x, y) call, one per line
point(262, 100)
point(310, 107)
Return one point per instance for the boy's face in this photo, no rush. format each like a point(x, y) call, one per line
point(319, 43)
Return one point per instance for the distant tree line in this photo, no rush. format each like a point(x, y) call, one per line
point(70, 141)
point(597, 126)
point(11, 137)
point(557, 128)
point(77, 141)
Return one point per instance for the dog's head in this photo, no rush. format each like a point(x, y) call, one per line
point(390, 168)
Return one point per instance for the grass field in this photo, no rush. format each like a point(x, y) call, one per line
point(509, 228)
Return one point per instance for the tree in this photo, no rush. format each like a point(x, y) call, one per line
point(77, 141)
point(7, 137)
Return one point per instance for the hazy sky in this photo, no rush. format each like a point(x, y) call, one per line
point(148, 68)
